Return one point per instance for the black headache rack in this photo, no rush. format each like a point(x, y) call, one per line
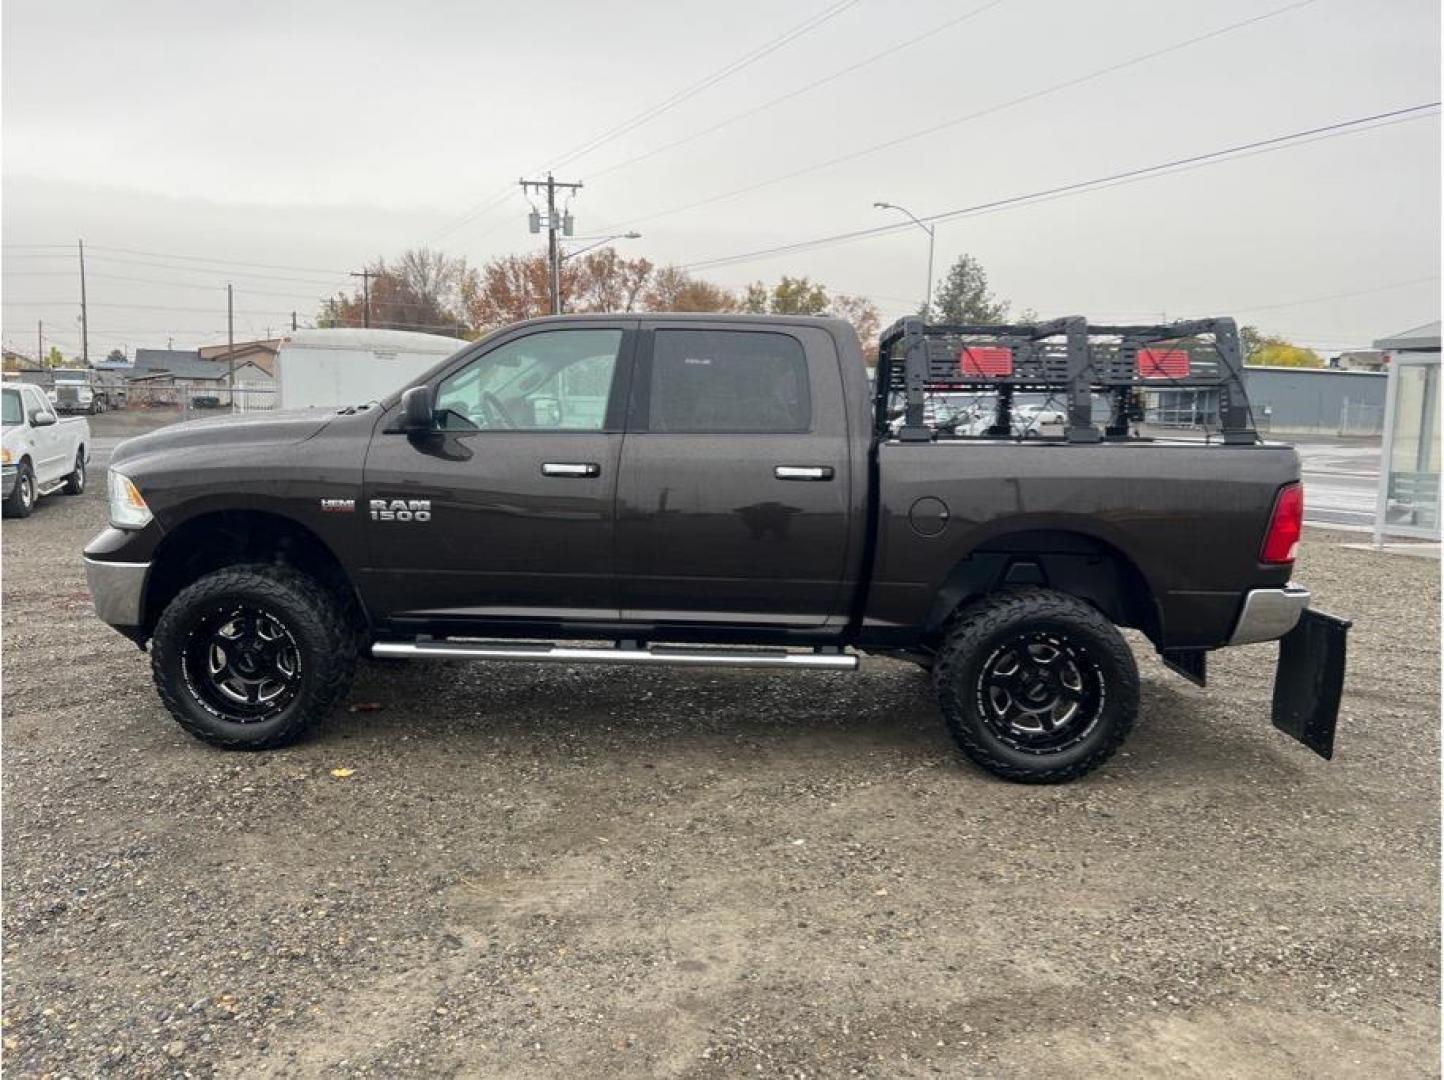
point(1066, 359)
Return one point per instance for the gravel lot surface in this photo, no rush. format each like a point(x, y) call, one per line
point(541, 871)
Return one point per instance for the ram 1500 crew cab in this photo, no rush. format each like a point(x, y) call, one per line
point(728, 490)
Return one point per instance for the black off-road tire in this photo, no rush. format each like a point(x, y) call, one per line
point(981, 629)
point(75, 482)
point(22, 497)
point(324, 640)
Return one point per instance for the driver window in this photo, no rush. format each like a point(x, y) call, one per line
point(556, 380)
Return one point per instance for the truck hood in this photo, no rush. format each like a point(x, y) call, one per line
point(294, 426)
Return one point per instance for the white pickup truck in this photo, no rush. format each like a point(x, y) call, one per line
point(41, 453)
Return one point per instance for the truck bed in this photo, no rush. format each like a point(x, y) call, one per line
point(1188, 516)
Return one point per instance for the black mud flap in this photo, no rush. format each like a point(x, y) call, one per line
point(1310, 680)
point(1192, 664)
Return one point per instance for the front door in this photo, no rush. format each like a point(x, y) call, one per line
point(51, 459)
point(734, 502)
point(506, 511)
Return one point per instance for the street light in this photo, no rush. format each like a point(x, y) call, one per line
point(599, 241)
point(929, 229)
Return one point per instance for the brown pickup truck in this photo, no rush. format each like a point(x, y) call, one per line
point(734, 491)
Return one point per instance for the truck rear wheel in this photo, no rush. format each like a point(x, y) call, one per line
point(75, 482)
point(249, 657)
point(1036, 686)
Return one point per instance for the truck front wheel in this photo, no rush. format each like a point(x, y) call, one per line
point(1036, 686)
point(22, 495)
point(249, 657)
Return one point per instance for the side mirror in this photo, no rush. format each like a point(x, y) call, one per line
point(40, 419)
point(416, 415)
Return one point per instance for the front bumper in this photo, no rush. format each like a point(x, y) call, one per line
point(118, 590)
point(8, 484)
point(1269, 614)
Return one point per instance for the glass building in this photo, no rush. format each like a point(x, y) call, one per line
point(1409, 473)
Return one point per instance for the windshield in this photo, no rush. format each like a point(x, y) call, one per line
point(12, 408)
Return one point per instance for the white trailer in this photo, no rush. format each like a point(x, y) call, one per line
point(333, 368)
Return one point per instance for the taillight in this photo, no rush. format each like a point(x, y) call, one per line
point(1286, 524)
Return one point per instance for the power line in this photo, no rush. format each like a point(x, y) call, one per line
point(1337, 296)
point(131, 307)
point(726, 71)
point(653, 111)
point(893, 143)
point(151, 281)
point(1193, 161)
point(222, 262)
point(839, 73)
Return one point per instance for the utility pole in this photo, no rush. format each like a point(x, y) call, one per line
point(293, 322)
point(553, 224)
point(40, 343)
point(365, 276)
point(84, 312)
point(231, 345)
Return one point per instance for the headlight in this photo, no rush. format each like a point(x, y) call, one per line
point(127, 508)
point(5, 457)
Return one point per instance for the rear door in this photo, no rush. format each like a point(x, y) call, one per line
point(733, 505)
point(506, 512)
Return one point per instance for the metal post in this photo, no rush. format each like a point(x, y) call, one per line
point(84, 311)
point(230, 346)
point(926, 311)
point(928, 296)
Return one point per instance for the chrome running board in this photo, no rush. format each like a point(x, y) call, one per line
point(672, 655)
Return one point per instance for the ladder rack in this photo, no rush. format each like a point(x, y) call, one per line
point(1064, 357)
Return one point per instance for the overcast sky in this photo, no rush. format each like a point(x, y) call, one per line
point(310, 137)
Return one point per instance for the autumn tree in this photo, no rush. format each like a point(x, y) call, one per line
point(1276, 352)
point(605, 281)
point(790, 296)
point(864, 316)
point(420, 290)
point(1249, 340)
point(510, 288)
point(673, 289)
point(964, 297)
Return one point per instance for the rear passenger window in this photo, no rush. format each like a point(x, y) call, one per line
point(720, 381)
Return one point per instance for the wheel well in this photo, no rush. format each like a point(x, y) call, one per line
point(1071, 562)
point(226, 538)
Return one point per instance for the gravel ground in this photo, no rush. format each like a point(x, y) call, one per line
point(585, 872)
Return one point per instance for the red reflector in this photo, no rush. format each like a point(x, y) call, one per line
point(1281, 544)
point(1163, 363)
point(993, 361)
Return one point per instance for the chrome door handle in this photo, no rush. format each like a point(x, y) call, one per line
point(803, 472)
point(571, 468)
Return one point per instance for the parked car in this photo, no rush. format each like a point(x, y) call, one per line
point(705, 490)
point(40, 452)
point(1032, 421)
